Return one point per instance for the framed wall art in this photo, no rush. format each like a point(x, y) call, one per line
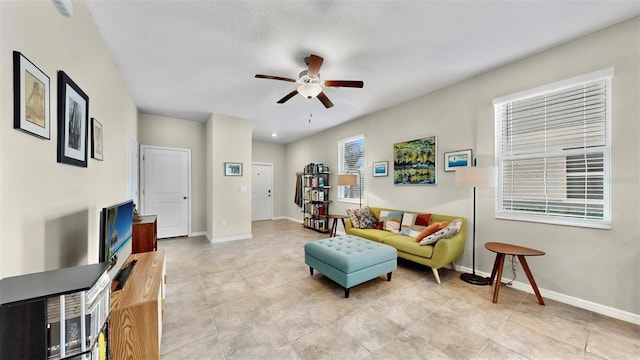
point(414, 162)
point(380, 168)
point(73, 118)
point(96, 139)
point(457, 159)
point(30, 98)
point(232, 169)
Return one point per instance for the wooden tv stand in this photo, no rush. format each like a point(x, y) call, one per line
point(137, 309)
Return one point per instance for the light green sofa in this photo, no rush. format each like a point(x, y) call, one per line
point(443, 252)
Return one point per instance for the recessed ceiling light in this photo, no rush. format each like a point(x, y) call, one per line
point(274, 134)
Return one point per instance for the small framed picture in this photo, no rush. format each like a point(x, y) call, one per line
point(380, 168)
point(30, 98)
point(96, 139)
point(457, 159)
point(73, 122)
point(232, 169)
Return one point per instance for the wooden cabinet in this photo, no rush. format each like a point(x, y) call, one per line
point(315, 195)
point(137, 308)
point(145, 234)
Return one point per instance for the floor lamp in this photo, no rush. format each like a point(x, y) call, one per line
point(351, 181)
point(476, 177)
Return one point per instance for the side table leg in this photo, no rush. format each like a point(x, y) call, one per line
point(527, 271)
point(334, 227)
point(496, 290)
point(495, 269)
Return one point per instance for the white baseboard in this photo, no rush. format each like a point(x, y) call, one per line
point(299, 221)
point(566, 299)
point(199, 233)
point(229, 238)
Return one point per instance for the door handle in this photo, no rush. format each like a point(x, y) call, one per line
point(184, 197)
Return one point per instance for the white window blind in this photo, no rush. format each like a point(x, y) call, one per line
point(351, 161)
point(553, 153)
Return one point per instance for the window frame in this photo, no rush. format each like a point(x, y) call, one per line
point(342, 170)
point(549, 217)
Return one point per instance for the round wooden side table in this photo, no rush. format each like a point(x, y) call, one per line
point(334, 226)
point(502, 249)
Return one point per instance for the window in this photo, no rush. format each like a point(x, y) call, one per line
point(351, 161)
point(553, 152)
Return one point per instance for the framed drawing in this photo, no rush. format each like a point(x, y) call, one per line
point(30, 98)
point(96, 139)
point(73, 117)
point(380, 168)
point(457, 159)
point(414, 162)
point(232, 169)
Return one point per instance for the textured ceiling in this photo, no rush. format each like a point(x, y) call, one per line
point(188, 59)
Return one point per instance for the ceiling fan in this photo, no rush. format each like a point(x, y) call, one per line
point(310, 85)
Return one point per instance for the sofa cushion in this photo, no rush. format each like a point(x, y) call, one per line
point(449, 231)
point(408, 245)
point(392, 220)
point(371, 234)
point(362, 218)
point(436, 226)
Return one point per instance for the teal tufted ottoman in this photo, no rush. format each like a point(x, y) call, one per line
point(350, 260)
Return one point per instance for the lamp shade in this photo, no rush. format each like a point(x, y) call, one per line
point(309, 90)
point(476, 176)
point(347, 180)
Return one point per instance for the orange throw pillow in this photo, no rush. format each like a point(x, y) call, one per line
point(436, 226)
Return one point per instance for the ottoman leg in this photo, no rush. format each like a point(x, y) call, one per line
point(346, 293)
point(311, 270)
point(389, 276)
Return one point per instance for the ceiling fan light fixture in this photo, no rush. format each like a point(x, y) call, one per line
point(309, 90)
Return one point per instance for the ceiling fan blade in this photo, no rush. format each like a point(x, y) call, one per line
point(288, 96)
point(344, 83)
point(315, 62)
point(325, 100)
point(259, 76)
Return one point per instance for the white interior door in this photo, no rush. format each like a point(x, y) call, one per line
point(261, 192)
point(166, 191)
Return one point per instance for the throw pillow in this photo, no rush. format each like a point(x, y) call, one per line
point(423, 219)
point(449, 231)
point(408, 221)
point(392, 220)
point(416, 230)
point(380, 225)
point(436, 226)
point(355, 220)
point(362, 218)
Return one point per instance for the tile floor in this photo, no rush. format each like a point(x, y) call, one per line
point(255, 299)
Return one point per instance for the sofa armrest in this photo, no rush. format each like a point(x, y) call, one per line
point(447, 251)
point(347, 225)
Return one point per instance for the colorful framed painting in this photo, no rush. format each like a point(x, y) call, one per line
point(380, 168)
point(96, 139)
point(73, 119)
point(232, 169)
point(414, 162)
point(457, 159)
point(30, 98)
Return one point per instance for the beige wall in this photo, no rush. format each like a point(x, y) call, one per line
point(275, 154)
point(228, 197)
point(169, 132)
point(49, 212)
point(595, 266)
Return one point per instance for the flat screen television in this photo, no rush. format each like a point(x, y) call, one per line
point(116, 228)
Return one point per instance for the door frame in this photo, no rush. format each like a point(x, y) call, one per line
point(142, 178)
point(272, 190)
